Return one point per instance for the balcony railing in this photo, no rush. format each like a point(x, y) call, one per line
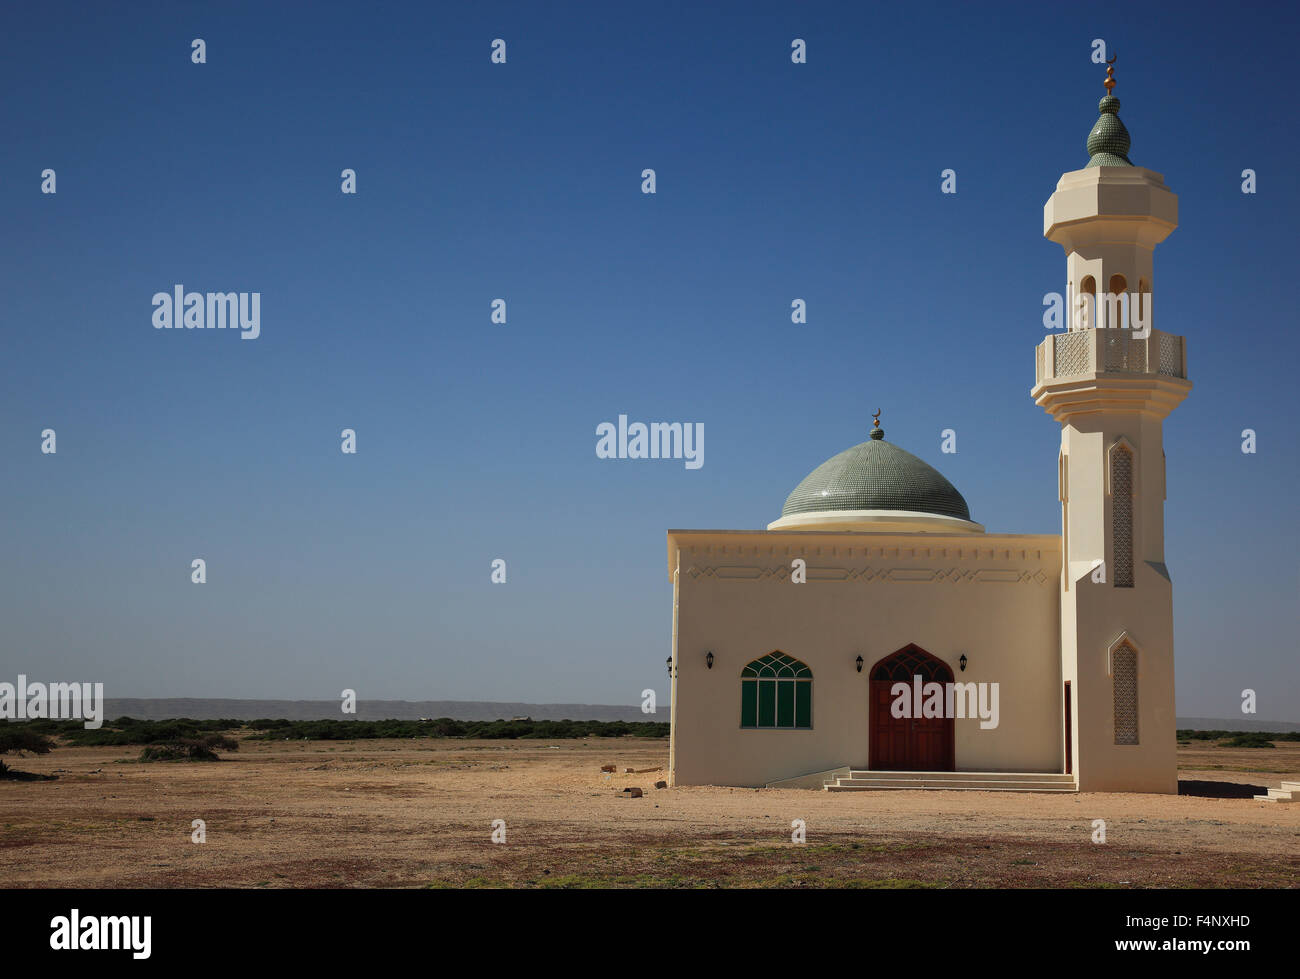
point(1111, 351)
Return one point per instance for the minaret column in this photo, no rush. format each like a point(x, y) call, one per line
point(1110, 386)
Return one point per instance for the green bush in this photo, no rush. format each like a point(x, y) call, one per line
point(1250, 739)
point(128, 730)
point(13, 737)
point(1239, 739)
point(186, 750)
point(216, 734)
point(446, 727)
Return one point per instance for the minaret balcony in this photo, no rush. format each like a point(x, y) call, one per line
point(1111, 351)
point(1109, 370)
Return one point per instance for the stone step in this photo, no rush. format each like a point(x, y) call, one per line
point(1049, 778)
point(860, 781)
point(983, 783)
point(1278, 795)
point(852, 785)
point(1291, 787)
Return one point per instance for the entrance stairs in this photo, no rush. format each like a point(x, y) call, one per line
point(864, 781)
point(1289, 792)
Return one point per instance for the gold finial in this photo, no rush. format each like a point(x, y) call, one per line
point(1110, 75)
point(877, 433)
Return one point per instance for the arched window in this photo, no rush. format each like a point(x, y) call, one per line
point(1088, 288)
point(1121, 514)
point(911, 661)
point(1124, 675)
point(1117, 311)
point(776, 691)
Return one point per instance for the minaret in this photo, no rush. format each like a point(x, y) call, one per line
point(1110, 379)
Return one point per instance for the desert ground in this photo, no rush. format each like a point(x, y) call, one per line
point(419, 813)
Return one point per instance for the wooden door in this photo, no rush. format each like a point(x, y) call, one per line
point(889, 735)
point(909, 744)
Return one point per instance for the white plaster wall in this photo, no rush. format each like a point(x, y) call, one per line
point(1008, 629)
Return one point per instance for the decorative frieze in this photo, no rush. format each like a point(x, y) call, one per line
point(954, 575)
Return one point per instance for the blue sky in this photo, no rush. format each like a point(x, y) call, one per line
point(522, 181)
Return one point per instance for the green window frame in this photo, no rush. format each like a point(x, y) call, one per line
point(776, 692)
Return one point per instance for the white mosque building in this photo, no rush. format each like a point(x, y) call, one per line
point(855, 643)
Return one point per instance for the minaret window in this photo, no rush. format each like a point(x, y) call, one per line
point(1088, 288)
point(1121, 515)
point(1124, 676)
point(1117, 313)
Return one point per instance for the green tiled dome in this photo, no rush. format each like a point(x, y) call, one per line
point(876, 476)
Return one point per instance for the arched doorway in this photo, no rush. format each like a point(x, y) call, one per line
point(909, 744)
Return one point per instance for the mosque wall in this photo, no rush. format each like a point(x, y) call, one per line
point(994, 598)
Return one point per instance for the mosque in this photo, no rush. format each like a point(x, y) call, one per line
point(875, 636)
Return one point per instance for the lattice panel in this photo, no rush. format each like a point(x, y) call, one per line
point(1125, 677)
point(1121, 490)
point(1171, 355)
point(1124, 353)
point(1073, 353)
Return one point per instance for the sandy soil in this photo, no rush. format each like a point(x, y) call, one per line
point(420, 813)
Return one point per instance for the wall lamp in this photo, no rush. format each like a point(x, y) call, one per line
point(670, 665)
point(709, 659)
point(859, 662)
point(962, 662)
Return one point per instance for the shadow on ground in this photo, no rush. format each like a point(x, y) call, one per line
point(11, 775)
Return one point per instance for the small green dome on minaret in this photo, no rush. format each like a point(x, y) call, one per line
point(1109, 141)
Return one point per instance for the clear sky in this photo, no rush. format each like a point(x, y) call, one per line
point(522, 181)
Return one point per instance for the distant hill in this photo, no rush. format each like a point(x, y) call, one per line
point(475, 710)
point(1224, 724)
point(369, 710)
